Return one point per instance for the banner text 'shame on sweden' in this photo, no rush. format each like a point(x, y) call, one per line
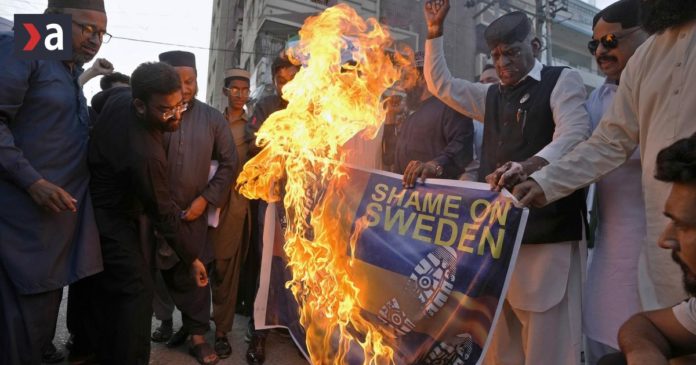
point(432, 218)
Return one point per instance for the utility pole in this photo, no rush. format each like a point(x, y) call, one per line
point(548, 17)
point(546, 11)
point(543, 28)
point(539, 19)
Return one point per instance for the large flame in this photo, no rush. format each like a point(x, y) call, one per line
point(329, 102)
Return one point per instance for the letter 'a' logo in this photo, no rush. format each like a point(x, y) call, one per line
point(43, 36)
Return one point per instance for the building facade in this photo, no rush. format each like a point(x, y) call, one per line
point(250, 33)
point(6, 25)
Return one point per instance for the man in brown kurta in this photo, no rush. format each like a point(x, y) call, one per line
point(231, 237)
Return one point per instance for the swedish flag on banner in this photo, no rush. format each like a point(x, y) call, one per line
point(433, 265)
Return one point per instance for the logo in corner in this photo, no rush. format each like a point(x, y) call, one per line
point(43, 36)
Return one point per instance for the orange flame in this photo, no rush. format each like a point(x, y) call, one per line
point(329, 102)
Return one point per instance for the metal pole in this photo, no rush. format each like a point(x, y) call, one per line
point(548, 19)
point(539, 29)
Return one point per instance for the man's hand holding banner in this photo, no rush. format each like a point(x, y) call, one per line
point(432, 264)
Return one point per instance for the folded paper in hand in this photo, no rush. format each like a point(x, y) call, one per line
point(213, 212)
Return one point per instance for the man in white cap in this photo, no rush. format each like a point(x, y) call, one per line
point(231, 237)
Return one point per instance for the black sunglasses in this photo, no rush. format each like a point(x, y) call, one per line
point(609, 41)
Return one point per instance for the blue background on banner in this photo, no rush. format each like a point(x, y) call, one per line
point(401, 253)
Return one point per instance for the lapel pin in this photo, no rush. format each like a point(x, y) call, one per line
point(524, 99)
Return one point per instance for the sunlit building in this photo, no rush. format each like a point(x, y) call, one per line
point(250, 33)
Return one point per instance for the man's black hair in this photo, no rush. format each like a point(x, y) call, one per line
point(487, 67)
point(152, 78)
point(677, 163)
point(624, 12)
point(279, 62)
point(658, 15)
point(107, 81)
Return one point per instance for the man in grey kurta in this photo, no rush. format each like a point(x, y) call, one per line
point(202, 138)
point(231, 238)
point(48, 235)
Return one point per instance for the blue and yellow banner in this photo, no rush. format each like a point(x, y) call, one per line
point(433, 264)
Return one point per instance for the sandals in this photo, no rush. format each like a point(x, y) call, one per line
point(162, 333)
point(201, 351)
point(222, 347)
point(178, 338)
point(52, 355)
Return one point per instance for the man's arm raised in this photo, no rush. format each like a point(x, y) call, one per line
point(466, 97)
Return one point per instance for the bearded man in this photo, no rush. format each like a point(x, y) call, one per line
point(48, 233)
point(654, 337)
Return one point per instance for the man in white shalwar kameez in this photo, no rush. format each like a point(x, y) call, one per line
point(611, 290)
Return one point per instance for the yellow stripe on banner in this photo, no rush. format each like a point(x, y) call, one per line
point(460, 313)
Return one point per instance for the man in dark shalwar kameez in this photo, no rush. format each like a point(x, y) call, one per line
point(282, 72)
point(231, 237)
point(202, 138)
point(48, 235)
point(129, 178)
point(434, 140)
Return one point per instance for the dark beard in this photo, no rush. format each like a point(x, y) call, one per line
point(81, 59)
point(689, 278)
point(193, 97)
point(658, 15)
point(413, 97)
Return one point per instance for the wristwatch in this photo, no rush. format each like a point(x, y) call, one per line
point(438, 168)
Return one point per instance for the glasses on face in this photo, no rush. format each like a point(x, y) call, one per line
point(609, 41)
point(171, 113)
point(237, 92)
point(511, 53)
point(90, 30)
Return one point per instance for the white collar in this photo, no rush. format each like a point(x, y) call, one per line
point(534, 73)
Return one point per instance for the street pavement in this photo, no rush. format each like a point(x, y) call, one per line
point(280, 349)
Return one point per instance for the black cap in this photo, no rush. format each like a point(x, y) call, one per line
point(97, 5)
point(178, 58)
point(626, 12)
point(509, 28)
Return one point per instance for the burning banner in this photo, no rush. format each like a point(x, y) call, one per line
point(332, 256)
point(432, 265)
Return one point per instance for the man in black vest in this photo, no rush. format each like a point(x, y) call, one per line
point(534, 116)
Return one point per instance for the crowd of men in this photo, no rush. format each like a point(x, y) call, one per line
point(131, 202)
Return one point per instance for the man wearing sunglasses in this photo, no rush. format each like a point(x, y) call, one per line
point(611, 290)
point(48, 233)
point(202, 138)
point(653, 106)
point(534, 116)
